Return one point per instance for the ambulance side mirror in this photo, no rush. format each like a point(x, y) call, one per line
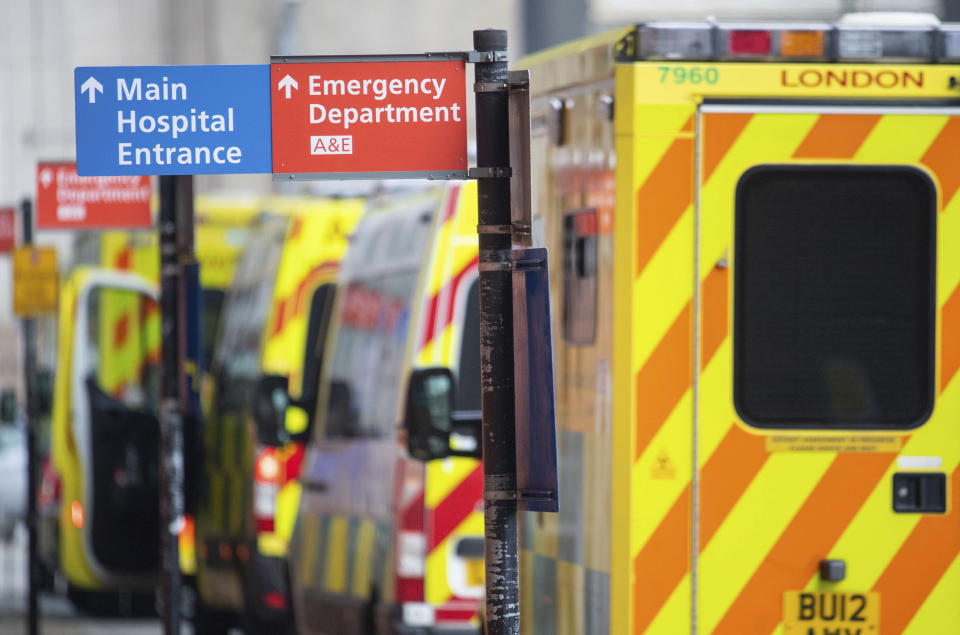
point(429, 413)
point(434, 429)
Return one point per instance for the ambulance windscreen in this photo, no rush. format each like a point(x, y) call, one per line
point(834, 297)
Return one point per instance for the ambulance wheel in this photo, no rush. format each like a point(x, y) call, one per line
point(208, 621)
point(89, 602)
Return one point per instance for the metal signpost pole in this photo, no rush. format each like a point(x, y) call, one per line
point(496, 335)
point(176, 245)
point(29, 371)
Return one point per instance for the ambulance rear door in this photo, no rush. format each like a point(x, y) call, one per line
point(827, 401)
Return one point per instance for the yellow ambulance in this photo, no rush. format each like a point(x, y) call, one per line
point(275, 320)
point(103, 441)
point(389, 535)
point(104, 435)
point(757, 330)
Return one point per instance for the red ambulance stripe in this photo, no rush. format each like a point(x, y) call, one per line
point(662, 563)
point(836, 136)
point(124, 258)
point(719, 133)
point(950, 336)
point(452, 198)
point(922, 560)
point(295, 303)
point(941, 158)
point(714, 321)
point(455, 508)
point(280, 318)
point(808, 538)
point(411, 516)
point(431, 328)
point(663, 197)
point(727, 474)
point(455, 615)
point(663, 379)
point(121, 331)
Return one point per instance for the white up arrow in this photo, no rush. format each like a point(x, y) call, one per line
point(93, 86)
point(288, 83)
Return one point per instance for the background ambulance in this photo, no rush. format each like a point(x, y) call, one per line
point(389, 536)
point(264, 380)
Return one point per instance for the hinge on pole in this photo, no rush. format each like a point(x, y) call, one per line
point(489, 173)
point(474, 57)
point(490, 87)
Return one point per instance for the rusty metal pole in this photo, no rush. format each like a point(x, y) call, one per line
point(496, 335)
point(30, 387)
point(176, 248)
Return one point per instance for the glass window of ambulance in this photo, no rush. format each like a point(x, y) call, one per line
point(834, 297)
point(236, 363)
point(380, 274)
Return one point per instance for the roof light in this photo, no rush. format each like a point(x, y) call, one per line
point(950, 43)
point(801, 44)
point(666, 40)
point(747, 42)
point(870, 43)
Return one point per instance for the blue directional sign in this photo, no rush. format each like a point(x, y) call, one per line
point(172, 120)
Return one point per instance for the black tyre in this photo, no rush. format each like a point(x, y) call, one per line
point(209, 621)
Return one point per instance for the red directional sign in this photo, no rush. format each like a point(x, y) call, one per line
point(375, 118)
point(68, 201)
point(7, 229)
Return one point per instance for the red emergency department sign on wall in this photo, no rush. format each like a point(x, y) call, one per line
point(337, 119)
point(7, 229)
point(68, 201)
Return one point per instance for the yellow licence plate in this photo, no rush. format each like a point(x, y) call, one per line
point(829, 612)
point(475, 572)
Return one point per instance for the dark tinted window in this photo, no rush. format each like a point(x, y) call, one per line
point(834, 297)
point(468, 375)
point(580, 277)
point(246, 308)
point(317, 324)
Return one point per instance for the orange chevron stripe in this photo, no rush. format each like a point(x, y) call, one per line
point(941, 158)
point(836, 136)
point(794, 558)
point(663, 197)
point(714, 313)
point(666, 376)
point(718, 138)
point(950, 339)
point(124, 258)
point(121, 331)
point(727, 474)
point(662, 563)
point(919, 564)
point(662, 381)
